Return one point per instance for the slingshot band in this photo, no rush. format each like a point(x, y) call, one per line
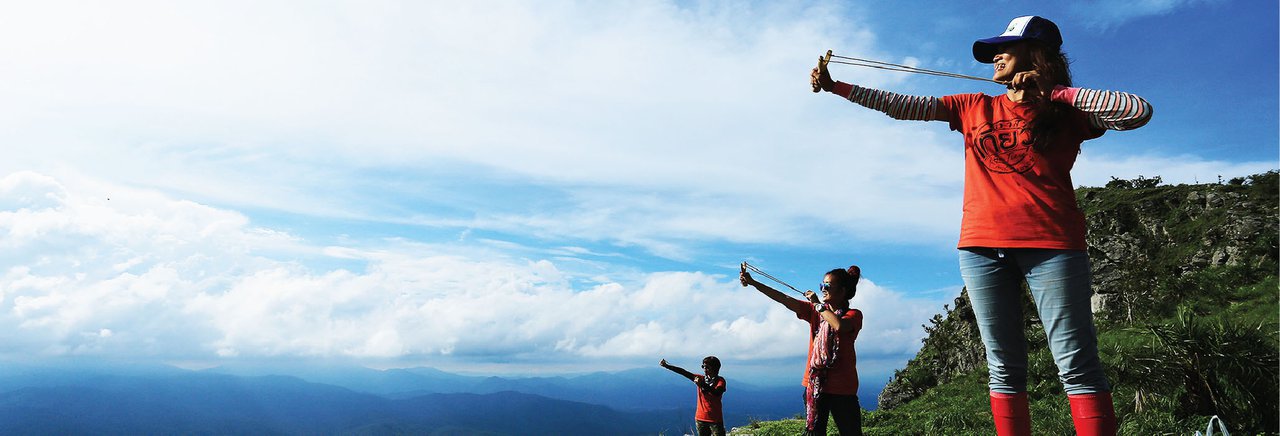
point(766, 275)
point(858, 62)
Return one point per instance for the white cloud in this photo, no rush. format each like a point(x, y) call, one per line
point(295, 104)
point(29, 190)
point(1172, 170)
point(155, 277)
point(1108, 14)
point(673, 122)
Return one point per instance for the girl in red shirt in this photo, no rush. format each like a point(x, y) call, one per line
point(1021, 221)
point(831, 372)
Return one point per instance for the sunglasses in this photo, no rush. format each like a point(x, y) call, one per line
point(824, 286)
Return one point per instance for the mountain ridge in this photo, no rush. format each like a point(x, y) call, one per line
point(204, 403)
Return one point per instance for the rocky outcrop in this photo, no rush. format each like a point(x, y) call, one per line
point(1136, 234)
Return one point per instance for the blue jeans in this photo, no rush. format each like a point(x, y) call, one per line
point(1060, 286)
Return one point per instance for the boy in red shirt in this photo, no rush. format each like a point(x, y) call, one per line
point(711, 387)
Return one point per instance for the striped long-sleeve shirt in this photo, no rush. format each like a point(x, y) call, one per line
point(1110, 110)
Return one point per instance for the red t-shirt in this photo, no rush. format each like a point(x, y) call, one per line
point(1014, 196)
point(843, 378)
point(709, 401)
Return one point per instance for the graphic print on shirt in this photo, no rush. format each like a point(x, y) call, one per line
point(1005, 146)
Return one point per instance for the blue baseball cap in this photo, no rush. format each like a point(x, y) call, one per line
point(1028, 27)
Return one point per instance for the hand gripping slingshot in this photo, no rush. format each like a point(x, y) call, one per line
point(868, 63)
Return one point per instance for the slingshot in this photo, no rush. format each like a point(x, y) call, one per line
point(868, 63)
point(747, 266)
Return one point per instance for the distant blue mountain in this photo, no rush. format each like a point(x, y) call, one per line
point(98, 398)
point(195, 403)
point(391, 382)
point(634, 390)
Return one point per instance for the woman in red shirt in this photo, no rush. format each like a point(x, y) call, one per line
point(1021, 221)
point(831, 372)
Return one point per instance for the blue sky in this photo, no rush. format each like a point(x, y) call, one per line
point(533, 187)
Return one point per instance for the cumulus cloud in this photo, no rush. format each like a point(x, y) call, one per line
point(667, 116)
point(29, 190)
point(147, 276)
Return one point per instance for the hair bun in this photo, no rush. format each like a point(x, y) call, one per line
point(855, 272)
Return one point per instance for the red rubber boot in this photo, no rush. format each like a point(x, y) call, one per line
point(1093, 414)
point(1011, 414)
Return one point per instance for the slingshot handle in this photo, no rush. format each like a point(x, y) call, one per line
point(822, 66)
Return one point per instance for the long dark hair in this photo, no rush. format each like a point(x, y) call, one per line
point(846, 278)
point(1052, 64)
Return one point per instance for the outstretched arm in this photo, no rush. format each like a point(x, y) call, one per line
point(678, 370)
point(1111, 110)
point(795, 305)
point(897, 106)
